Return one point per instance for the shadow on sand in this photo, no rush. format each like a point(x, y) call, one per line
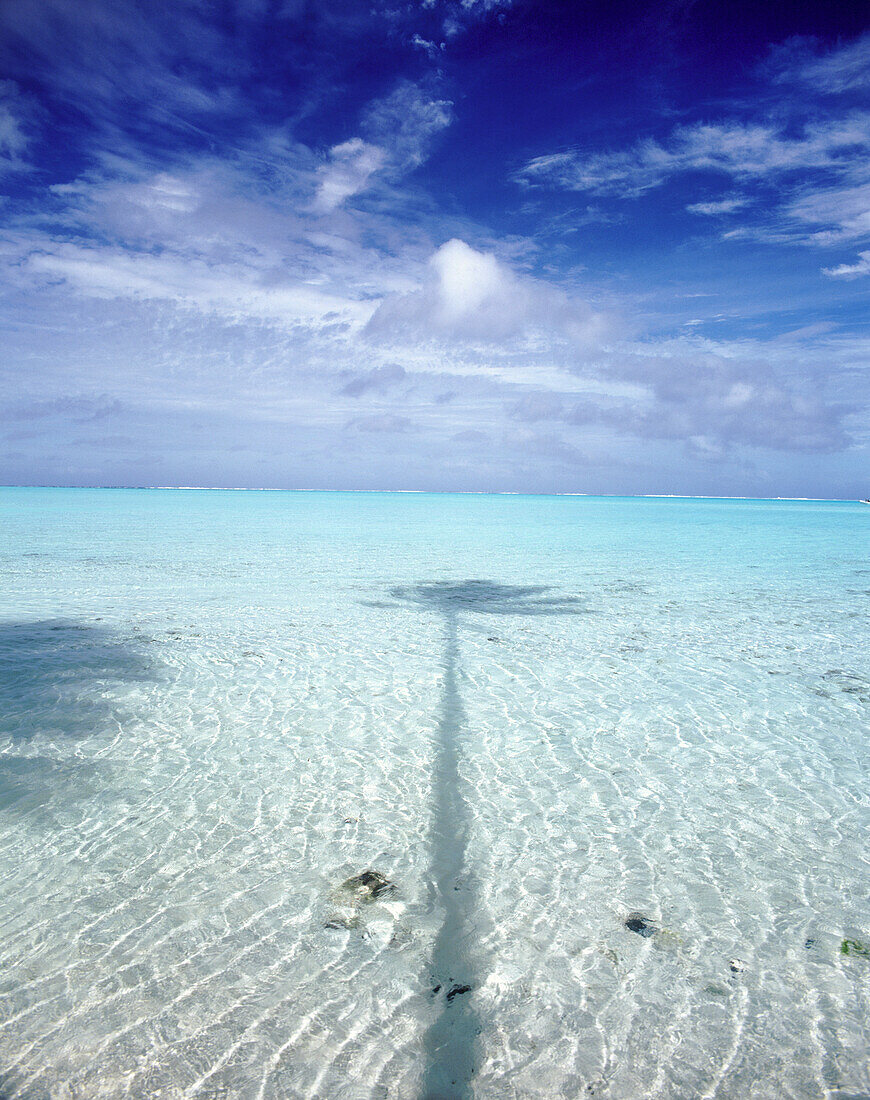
point(457, 968)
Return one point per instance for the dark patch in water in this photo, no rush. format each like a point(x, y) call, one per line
point(341, 923)
point(490, 598)
point(850, 683)
point(30, 781)
point(643, 926)
point(457, 991)
point(369, 885)
point(855, 947)
point(56, 678)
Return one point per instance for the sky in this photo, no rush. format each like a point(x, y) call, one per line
point(475, 245)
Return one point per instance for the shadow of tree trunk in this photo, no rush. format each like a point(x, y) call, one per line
point(450, 1040)
point(457, 970)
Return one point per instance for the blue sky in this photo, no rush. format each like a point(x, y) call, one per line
point(440, 244)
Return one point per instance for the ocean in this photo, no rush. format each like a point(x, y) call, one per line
point(353, 795)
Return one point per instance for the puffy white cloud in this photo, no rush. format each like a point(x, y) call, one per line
point(471, 296)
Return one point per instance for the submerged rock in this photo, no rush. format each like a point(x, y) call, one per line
point(737, 966)
point(643, 926)
point(339, 921)
point(855, 947)
point(366, 895)
point(368, 886)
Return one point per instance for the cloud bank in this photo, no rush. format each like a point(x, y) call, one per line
point(227, 263)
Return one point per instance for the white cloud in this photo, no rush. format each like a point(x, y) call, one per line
point(15, 111)
point(347, 172)
point(222, 237)
point(398, 130)
point(470, 296)
point(850, 271)
point(812, 188)
point(235, 291)
point(842, 70)
point(431, 48)
point(405, 123)
point(693, 390)
point(720, 206)
point(833, 215)
point(744, 151)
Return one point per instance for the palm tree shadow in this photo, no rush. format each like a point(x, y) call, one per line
point(457, 969)
point(56, 680)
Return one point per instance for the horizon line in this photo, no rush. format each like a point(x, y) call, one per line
point(435, 492)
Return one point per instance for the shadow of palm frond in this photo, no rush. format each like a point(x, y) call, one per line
point(57, 681)
point(457, 969)
point(490, 598)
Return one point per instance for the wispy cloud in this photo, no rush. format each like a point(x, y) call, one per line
point(712, 399)
point(104, 58)
point(830, 215)
point(400, 128)
point(405, 123)
point(377, 380)
point(800, 61)
point(380, 422)
point(347, 172)
point(797, 160)
point(851, 271)
point(719, 206)
point(223, 262)
point(741, 151)
point(16, 118)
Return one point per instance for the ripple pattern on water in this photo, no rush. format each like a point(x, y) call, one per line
point(204, 734)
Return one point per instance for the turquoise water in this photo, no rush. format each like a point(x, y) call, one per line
point(537, 717)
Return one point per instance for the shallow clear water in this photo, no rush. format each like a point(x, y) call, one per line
point(535, 716)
